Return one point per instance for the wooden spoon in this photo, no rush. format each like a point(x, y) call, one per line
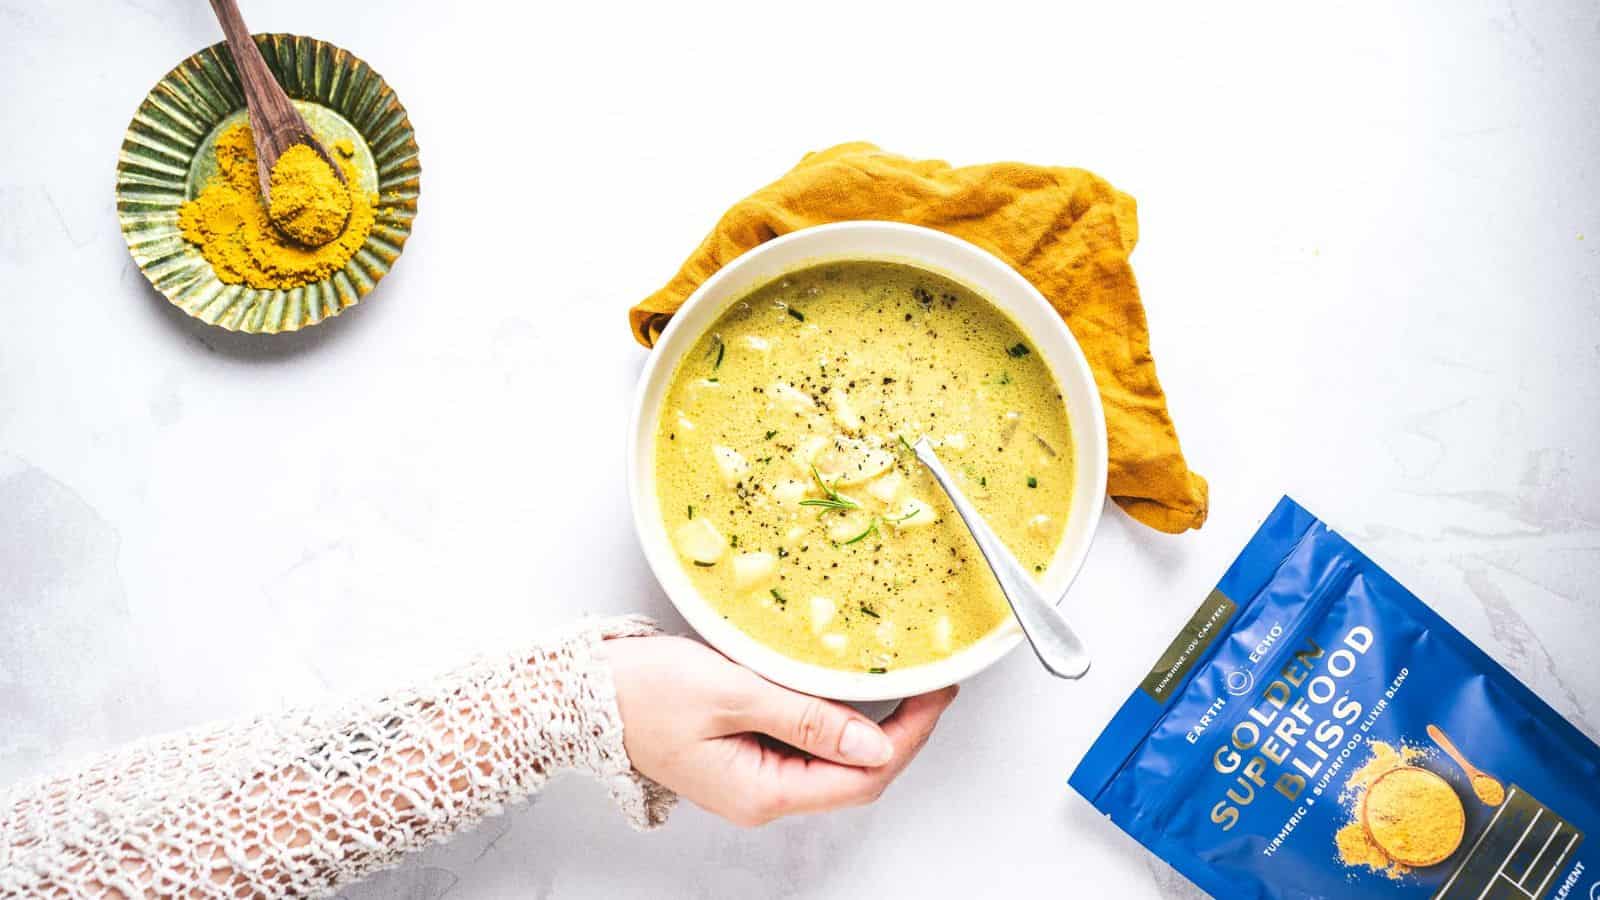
point(1473, 772)
point(274, 122)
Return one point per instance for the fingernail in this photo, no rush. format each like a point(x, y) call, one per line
point(863, 745)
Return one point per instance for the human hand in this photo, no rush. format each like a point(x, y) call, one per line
point(702, 726)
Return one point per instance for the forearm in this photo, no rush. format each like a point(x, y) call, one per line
point(304, 802)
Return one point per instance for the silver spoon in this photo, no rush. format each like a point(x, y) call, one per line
point(1052, 639)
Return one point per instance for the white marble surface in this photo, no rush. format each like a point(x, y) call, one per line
point(1371, 256)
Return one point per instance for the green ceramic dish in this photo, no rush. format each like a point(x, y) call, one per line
point(167, 157)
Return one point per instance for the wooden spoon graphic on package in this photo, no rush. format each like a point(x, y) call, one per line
point(275, 124)
point(1486, 786)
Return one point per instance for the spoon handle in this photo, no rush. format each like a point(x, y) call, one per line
point(274, 122)
point(1052, 639)
point(1449, 747)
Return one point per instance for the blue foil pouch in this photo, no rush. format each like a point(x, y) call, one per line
point(1248, 756)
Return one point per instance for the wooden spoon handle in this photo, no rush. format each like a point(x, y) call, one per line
point(276, 124)
point(1450, 748)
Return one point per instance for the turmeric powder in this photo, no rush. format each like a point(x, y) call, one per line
point(1414, 816)
point(1354, 843)
point(307, 200)
point(1357, 849)
point(231, 224)
point(1489, 789)
point(1384, 757)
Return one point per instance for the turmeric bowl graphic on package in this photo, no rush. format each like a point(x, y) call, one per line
point(1414, 816)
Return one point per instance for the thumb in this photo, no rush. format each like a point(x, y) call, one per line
point(821, 728)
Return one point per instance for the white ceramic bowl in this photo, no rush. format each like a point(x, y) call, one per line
point(891, 242)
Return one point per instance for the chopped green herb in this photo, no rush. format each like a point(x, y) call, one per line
point(877, 670)
point(782, 552)
point(1033, 482)
point(1005, 378)
point(862, 536)
point(703, 565)
point(691, 510)
point(779, 597)
point(769, 435)
point(797, 314)
point(1038, 568)
point(721, 349)
point(1017, 350)
point(733, 540)
point(712, 379)
point(901, 438)
point(867, 610)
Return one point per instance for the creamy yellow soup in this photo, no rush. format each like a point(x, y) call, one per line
point(787, 482)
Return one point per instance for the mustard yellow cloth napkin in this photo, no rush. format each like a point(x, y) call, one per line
point(1065, 230)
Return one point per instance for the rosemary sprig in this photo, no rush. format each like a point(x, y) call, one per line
point(897, 520)
point(870, 611)
point(861, 537)
point(901, 438)
point(877, 670)
point(829, 503)
point(833, 500)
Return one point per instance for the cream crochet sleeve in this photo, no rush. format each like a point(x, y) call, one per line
point(301, 803)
